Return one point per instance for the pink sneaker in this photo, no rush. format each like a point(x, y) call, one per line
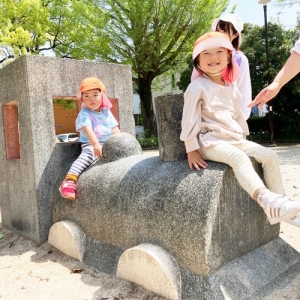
point(68, 189)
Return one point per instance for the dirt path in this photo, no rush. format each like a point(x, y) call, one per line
point(42, 273)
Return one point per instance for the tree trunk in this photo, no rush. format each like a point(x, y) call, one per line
point(144, 89)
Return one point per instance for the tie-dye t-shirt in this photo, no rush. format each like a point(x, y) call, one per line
point(101, 123)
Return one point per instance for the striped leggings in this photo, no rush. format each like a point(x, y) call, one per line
point(85, 159)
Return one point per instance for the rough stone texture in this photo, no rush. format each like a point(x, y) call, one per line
point(255, 274)
point(189, 214)
point(119, 146)
point(67, 237)
point(251, 277)
point(33, 81)
point(168, 115)
point(220, 250)
point(153, 268)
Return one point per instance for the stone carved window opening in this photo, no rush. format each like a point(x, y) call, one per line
point(65, 113)
point(11, 130)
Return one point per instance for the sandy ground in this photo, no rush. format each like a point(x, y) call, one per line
point(42, 273)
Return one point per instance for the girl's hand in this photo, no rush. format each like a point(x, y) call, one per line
point(97, 150)
point(93, 140)
point(196, 160)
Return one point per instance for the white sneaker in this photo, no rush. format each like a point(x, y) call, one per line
point(294, 220)
point(277, 207)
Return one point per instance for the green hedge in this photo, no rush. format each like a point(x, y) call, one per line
point(286, 127)
point(149, 142)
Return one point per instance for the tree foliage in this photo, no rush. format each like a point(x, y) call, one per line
point(185, 75)
point(280, 42)
point(22, 27)
point(151, 35)
point(66, 27)
point(288, 3)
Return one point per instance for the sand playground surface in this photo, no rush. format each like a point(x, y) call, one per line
point(44, 273)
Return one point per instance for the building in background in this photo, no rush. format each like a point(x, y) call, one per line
point(259, 111)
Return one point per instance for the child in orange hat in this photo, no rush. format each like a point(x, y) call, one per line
point(95, 123)
point(214, 128)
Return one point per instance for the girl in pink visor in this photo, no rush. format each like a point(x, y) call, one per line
point(214, 128)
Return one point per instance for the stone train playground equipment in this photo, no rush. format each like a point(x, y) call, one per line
point(179, 233)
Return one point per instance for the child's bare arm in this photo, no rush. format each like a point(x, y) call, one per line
point(115, 130)
point(93, 140)
point(196, 160)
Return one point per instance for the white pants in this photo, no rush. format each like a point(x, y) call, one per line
point(237, 157)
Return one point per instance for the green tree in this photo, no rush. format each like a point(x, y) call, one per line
point(68, 28)
point(287, 2)
point(153, 36)
point(22, 27)
point(185, 75)
point(287, 103)
point(280, 42)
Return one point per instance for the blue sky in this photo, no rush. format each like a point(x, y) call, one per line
point(252, 12)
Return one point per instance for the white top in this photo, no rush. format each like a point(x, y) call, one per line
point(244, 85)
point(296, 47)
point(211, 113)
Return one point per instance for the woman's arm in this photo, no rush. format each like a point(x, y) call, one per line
point(288, 71)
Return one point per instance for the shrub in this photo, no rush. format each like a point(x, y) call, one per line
point(286, 127)
point(258, 125)
point(149, 142)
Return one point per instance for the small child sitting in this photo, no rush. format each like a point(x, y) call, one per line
point(95, 123)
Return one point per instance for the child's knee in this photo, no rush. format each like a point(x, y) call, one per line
point(272, 157)
point(272, 154)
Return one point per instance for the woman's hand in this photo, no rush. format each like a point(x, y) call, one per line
point(196, 160)
point(266, 95)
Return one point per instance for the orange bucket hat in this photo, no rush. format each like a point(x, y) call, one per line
point(92, 83)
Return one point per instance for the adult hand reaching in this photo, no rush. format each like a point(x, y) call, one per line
point(290, 69)
point(266, 95)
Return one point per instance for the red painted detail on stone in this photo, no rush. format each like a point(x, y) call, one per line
point(115, 109)
point(11, 131)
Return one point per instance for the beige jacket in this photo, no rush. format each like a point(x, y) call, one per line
point(211, 114)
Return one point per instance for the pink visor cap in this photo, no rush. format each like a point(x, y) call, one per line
point(214, 40)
